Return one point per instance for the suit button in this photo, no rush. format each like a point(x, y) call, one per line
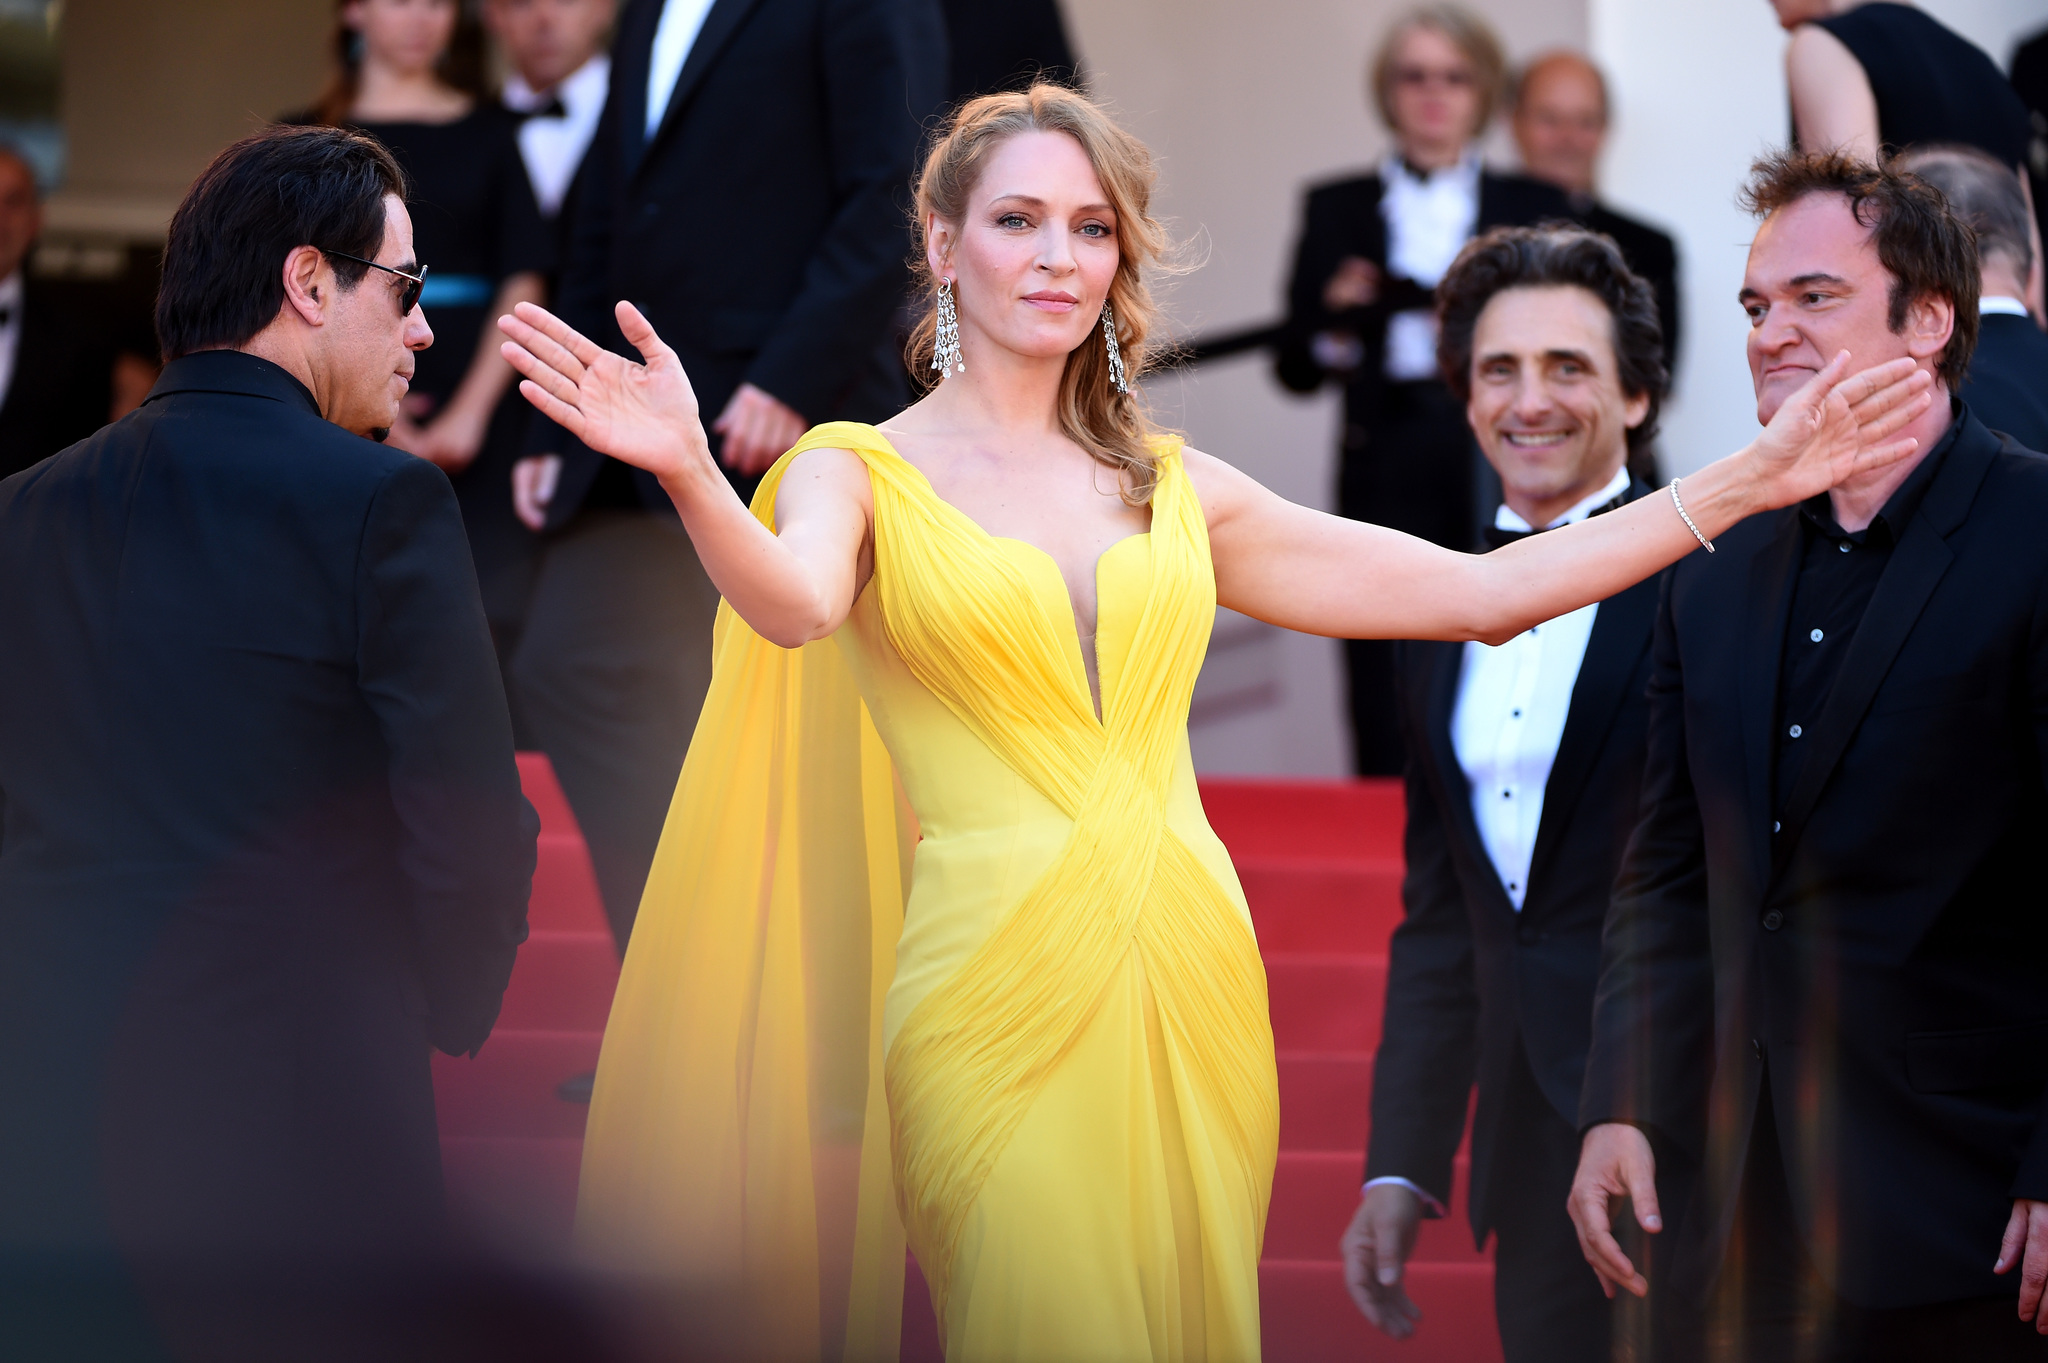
point(1773, 921)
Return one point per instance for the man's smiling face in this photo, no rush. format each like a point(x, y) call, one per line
point(1814, 286)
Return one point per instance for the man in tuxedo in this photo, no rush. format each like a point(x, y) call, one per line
point(1821, 982)
point(262, 843)
point(56, 379)
point(1560, 120)
point(1523, 768)
point(745, 188)
point(2007, 388)
point(558, 84)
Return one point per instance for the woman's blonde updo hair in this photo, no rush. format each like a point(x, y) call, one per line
point(1109, 425)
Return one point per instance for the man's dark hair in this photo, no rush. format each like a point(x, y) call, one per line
point(1555, 254)
point(252, 206)
point(1983, 191)
point(1922, 244)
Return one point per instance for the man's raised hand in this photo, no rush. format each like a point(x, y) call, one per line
point(644, 414)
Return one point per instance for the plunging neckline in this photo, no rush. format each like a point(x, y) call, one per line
point(1097, 703)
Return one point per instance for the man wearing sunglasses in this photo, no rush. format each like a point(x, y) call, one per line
point(262, 843)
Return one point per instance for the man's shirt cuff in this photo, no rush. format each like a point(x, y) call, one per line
point(1430, 1206)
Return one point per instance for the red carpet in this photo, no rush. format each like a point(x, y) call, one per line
point(1321, 864)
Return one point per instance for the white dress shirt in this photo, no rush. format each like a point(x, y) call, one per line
point(10, 332)
point(1512, 703)
point(1429, 220)
point(553, 147)
point(673, 38)
point(1998, 304)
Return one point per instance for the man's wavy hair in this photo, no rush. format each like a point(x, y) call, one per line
point(1922, 244)
point(1555, 255)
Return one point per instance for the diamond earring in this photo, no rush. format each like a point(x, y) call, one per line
point(1116, 356)
point(946, 347)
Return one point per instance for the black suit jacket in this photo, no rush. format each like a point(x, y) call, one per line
point(761, 228)
point(263, 838)
point(2007, 386)
point(1469, 979)
point(1343, 219)
point(1878, 954)
point(63, 385)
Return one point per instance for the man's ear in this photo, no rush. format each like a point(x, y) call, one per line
point(309, 284)
point(1635, 410)
point(1930, 321)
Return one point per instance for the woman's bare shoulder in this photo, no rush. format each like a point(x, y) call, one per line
point(823, 477)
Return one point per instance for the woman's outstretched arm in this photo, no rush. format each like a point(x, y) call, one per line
point(1322, 574)
point(790, 587)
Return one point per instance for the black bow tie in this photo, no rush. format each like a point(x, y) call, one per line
point(6, 316)
point(554, 108)
point(1497, 538)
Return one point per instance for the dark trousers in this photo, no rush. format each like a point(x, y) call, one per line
point(1411, 468)
point(1771, 1303)
point(1546, 1298)
point(608, 678)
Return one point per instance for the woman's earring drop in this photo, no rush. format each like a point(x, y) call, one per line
point(1116, 356)
point(946, 350)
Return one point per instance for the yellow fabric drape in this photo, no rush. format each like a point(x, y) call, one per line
point(739, 1142)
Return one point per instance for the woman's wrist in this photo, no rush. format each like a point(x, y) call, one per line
point(1722, 494)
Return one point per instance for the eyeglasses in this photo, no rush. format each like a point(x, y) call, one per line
point(409, 297)
point(1417, 77)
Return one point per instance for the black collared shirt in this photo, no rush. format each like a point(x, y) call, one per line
point(1838, 572)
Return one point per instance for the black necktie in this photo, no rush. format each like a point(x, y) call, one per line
point(1497, 538)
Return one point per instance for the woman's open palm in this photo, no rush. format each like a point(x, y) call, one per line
point(1835, 428)
point(644, 414)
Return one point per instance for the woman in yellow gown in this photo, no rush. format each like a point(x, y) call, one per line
point(938, 946)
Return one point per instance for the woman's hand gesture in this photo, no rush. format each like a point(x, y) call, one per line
point(1835, 429)
point(644, 414)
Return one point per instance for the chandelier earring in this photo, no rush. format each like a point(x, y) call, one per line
point(1116, 356)
point(946, 346)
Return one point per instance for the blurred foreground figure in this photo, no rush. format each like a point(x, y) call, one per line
point(55, 379)
point(2008, 383)
point(1560, 119)
point(1359, 311)
point(1822, 981)
point(811, 106)
point(1523, 778)
point(263, 840)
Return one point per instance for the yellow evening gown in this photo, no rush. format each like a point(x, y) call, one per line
point(931, 952)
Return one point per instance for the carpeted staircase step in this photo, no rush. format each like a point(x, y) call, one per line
point(1315, 1192)
point(521, 1084)
point(1324, 1100)
point(1324, 1001)
point(562, 982)
point(1306, 1316)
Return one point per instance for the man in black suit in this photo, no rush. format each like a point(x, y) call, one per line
point(1523, 768)
point(2007, 388)
point(1822, 982)
point(1359, 311)
point(263, 841)
point(745, 189)
point(56, 378)
point(1560, 121)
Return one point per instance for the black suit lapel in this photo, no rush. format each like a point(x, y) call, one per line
point(1767, 598)
point(719, 26)
point(1909, 579)
point(632, 55)
point(1614, 652)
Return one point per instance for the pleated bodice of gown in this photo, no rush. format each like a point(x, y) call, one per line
point(1081, 1100)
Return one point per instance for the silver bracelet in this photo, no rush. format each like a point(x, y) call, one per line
point(1705, 543)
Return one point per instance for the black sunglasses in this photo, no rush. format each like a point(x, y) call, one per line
point(414, 283)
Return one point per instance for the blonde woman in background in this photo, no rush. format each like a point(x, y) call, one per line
point(938, 942)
